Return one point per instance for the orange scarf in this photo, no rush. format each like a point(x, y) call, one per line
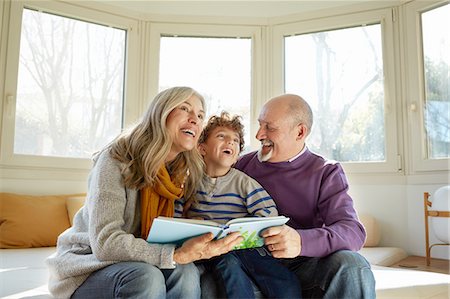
point(158, 200)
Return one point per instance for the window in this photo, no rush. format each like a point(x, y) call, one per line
point(339, 70)
point(217, 61)
point(65, 84)
point(70, 86)
point(428, 85)
point(436, 60)
point(340, 73)
point(218, 68)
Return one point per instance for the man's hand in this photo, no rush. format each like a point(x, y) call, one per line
point(282, 241)
point(204, 247)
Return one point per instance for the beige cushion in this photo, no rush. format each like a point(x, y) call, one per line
point(372, 230)
point(32, 221)
point(383, 256)
point(74, 204)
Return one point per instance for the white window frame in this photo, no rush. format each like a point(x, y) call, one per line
point(385, 18)
point(157, 30)
point(414, 86)
point(11, 161)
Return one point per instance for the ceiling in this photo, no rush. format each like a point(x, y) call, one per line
point(265, 9)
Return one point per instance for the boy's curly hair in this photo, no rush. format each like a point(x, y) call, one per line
point(224, 120)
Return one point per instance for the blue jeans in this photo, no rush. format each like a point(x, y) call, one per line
point(343, 274)
point(141, 280)
point(236, 270)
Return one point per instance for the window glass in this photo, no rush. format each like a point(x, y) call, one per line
point(218, 68)
point(340, 74)
point(436, 54)
point(70, 86)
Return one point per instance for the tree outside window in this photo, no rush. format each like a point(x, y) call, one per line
point(436, 53)
point(340, 74)
point(70, 86)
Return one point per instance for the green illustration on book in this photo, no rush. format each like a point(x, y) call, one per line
point(250, 241)
point(167, 230)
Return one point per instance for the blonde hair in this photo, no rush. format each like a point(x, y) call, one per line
point(143, 148)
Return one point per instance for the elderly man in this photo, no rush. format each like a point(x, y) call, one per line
point(323, 233)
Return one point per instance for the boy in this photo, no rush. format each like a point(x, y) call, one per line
point(227, 193)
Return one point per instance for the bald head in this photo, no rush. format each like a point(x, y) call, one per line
point(284, 123)
point(293, 107)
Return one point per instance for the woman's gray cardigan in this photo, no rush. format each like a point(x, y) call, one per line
point(105, 231)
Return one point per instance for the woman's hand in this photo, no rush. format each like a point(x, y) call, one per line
point(204, 247)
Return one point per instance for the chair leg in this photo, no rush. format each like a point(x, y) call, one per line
point(426, 195)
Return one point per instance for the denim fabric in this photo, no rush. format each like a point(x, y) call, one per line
point(236, 271)
point(343, 274)
point(141, 280)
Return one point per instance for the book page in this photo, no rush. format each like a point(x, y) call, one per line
point(250, 230)
point(166, 230)
point(258, 219)
point(192, 221)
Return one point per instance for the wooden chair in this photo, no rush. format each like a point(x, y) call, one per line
point(426, 204)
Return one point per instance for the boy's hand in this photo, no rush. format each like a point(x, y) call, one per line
point(204, 247)
point(282, 241)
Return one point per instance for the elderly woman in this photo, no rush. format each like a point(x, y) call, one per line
point(135, 179)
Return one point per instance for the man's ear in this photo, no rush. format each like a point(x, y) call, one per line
point(201, 149)
point(302, 131)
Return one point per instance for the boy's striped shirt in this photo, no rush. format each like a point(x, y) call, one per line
point(233, 195)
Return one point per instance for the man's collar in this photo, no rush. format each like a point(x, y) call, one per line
point(299, 154)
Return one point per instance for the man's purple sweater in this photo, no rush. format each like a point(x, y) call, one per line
point(312, 192)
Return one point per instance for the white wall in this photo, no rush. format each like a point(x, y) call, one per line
point(387, 204)
point(397, 203)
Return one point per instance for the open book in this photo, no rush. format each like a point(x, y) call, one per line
point(177, 230)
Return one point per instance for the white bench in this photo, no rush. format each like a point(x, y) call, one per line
point(23, 274)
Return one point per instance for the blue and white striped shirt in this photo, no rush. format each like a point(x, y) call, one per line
point(231, 196)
